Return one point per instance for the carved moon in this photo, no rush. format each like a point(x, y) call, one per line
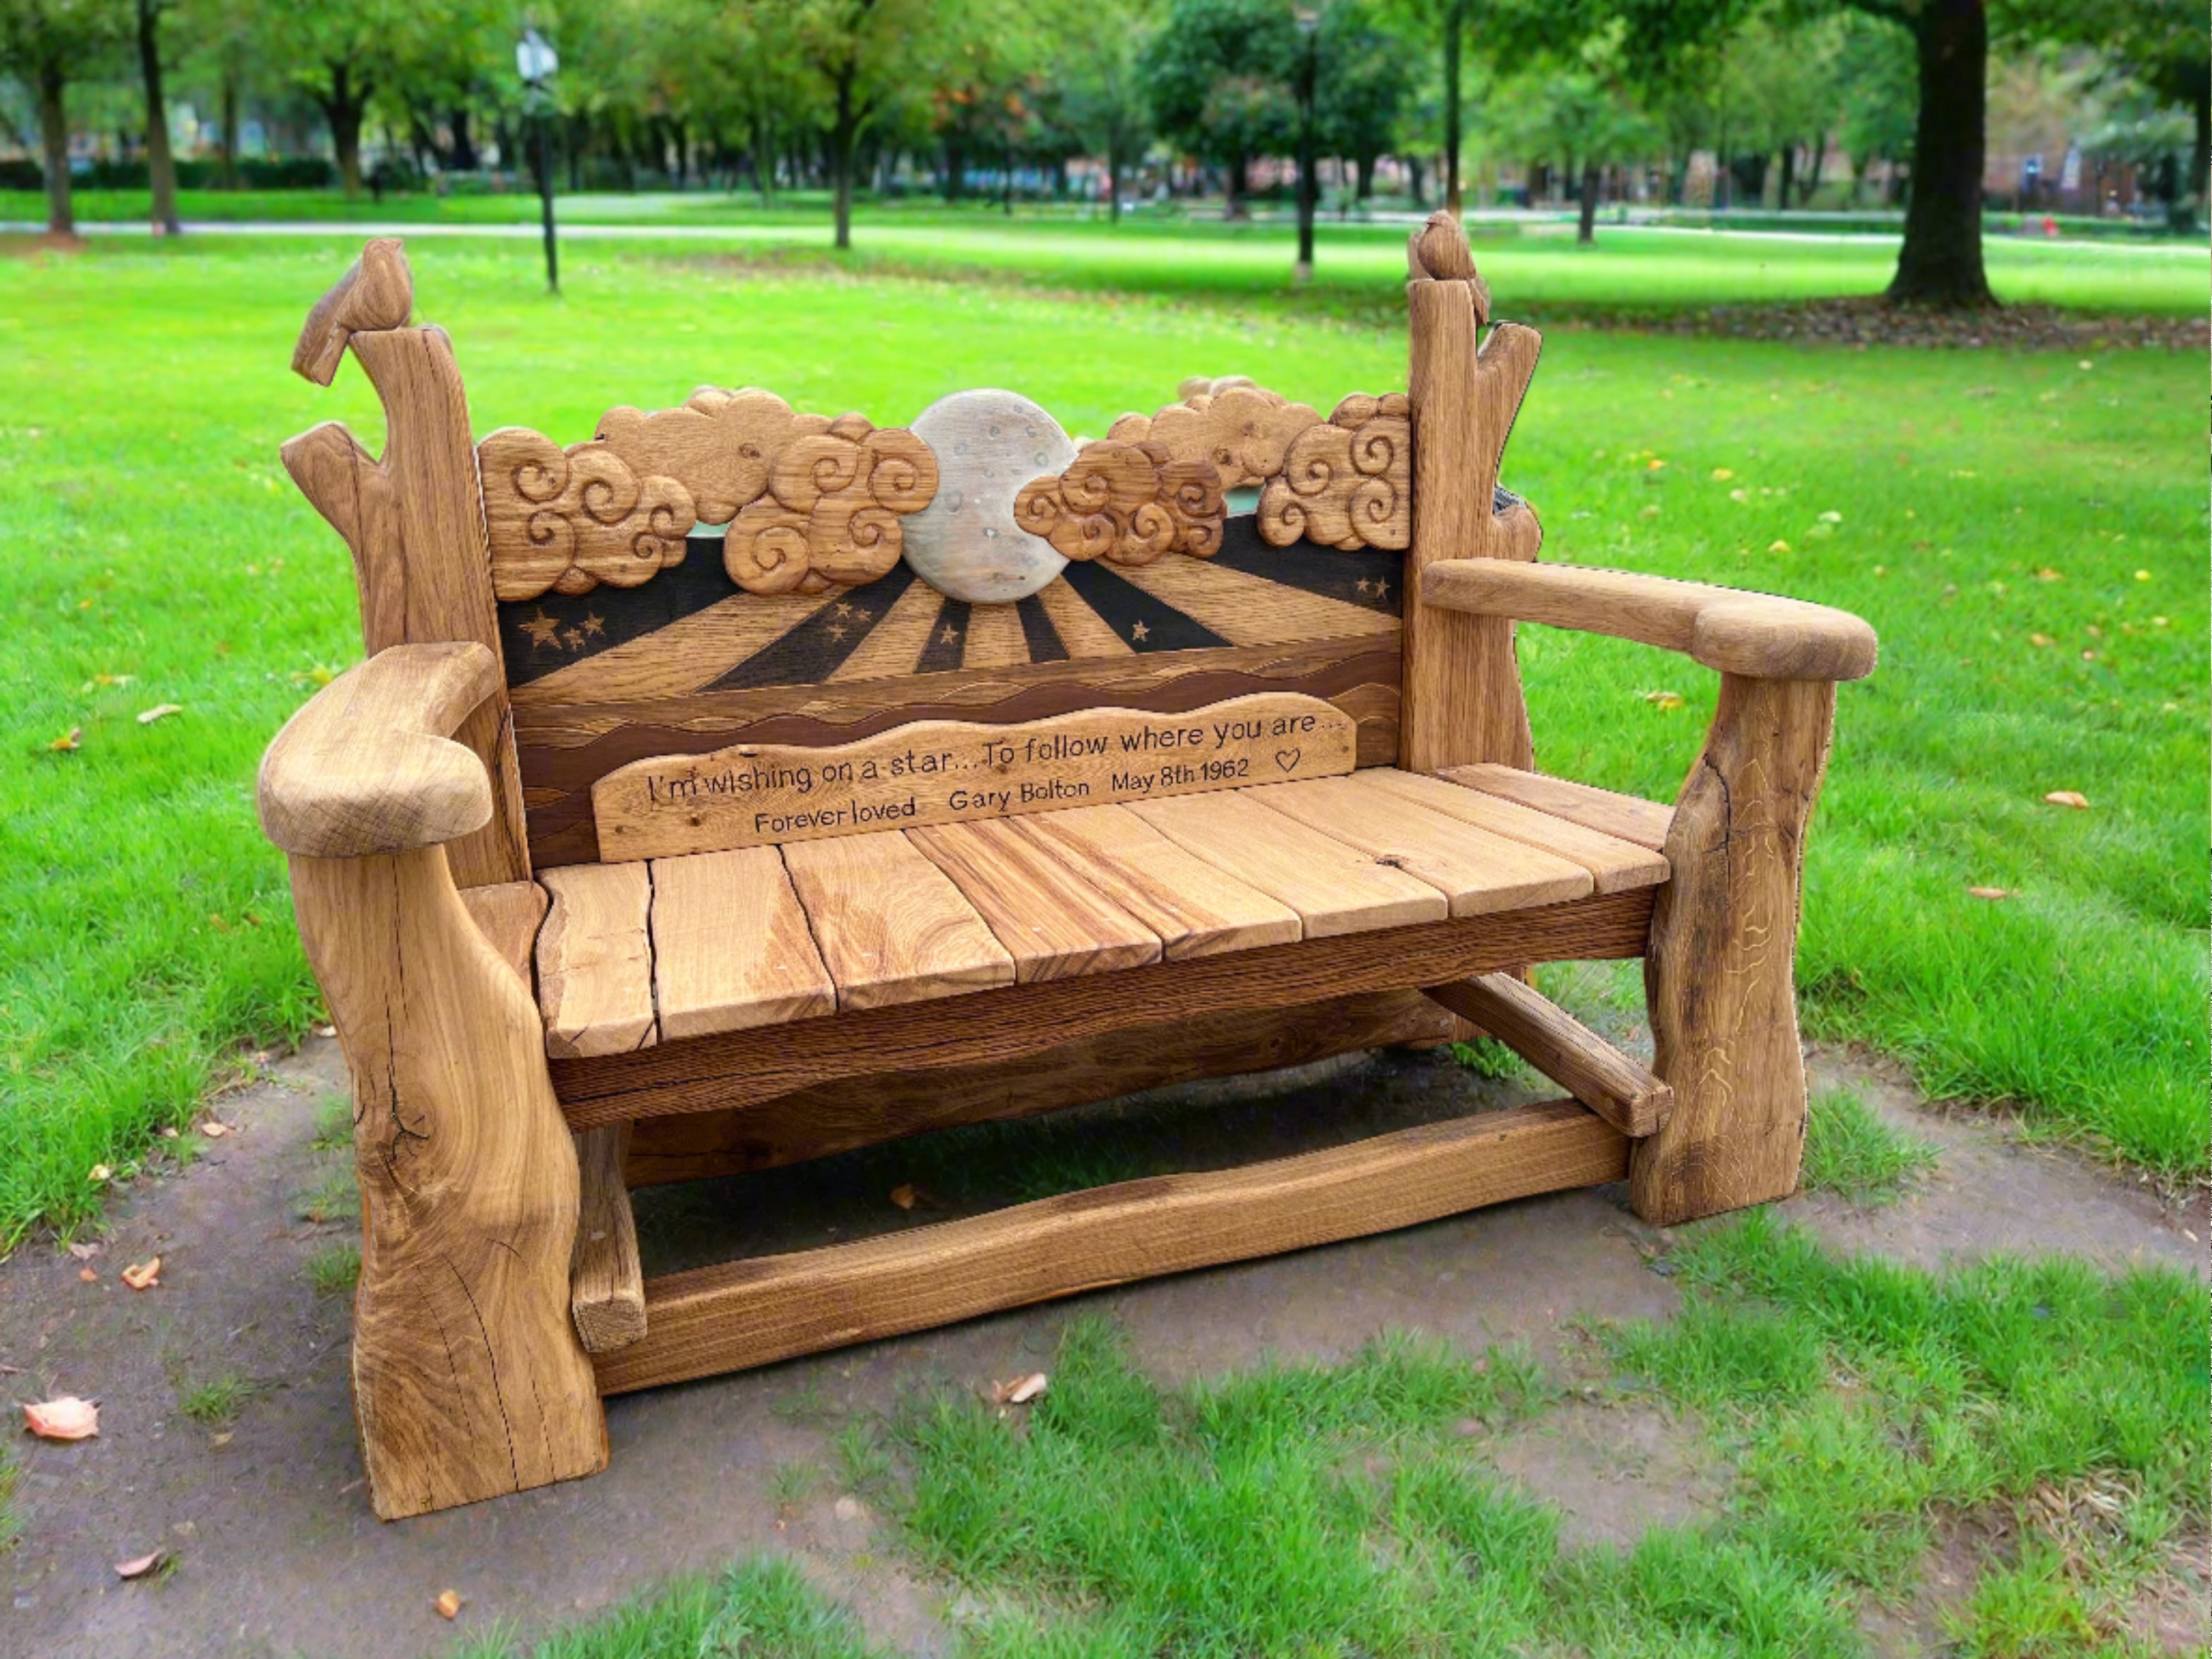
point(965, 543)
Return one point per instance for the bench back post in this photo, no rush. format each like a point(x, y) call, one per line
point(414, 518)
point(1461, 701)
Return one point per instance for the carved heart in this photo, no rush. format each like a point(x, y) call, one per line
point(1289, 758)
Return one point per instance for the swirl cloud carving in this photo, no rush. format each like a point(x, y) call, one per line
point(568, 520)
point(1127, 503)
point(1244, 430)
point(1348, 483)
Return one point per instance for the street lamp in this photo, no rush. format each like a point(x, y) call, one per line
point(1309, 21)
point(535, 61)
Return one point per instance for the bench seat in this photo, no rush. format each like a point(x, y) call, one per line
point(633, 955)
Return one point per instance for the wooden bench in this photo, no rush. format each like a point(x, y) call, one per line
point(742, 785)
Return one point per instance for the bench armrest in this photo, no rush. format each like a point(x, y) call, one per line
point(1754, 635)
point(368, 765)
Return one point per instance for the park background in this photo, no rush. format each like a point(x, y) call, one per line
point(1813, 324)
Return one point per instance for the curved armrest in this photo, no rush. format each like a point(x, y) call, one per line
point(1754, 635)
point(368, 765)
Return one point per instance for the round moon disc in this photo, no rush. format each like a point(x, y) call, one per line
point(965, 543)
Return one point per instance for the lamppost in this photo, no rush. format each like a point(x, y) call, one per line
point(1308, 20)
point(535, 61)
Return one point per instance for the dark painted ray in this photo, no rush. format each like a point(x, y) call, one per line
point(1368, 578)
point(537, 636)
point(817, 647)
point(1143, 622)
point(1044, 640)
point(948, 638)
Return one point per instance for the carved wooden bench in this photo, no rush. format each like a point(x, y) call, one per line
point(742, 785)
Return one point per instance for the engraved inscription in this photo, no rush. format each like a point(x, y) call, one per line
point(947, 771)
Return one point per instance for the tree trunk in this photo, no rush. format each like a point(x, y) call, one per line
point(465, 156)
point(54, 133)
point(1455, 29)
point(1364, 166)
point(2201, 161)
point(1788, 176)
point(1238, 185)
point(230, 174)
point(763, 161)
point(342, 108)
point(1940, 263)
point(843, 137)
point(161, 165)
point(1586, 226)
point(1413, 179)
point(1811, 187)
point(1113, 181)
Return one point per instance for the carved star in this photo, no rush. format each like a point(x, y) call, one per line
point(844, 610)
point(860, 616)
point(1139, 631)
point(593, 626)
point(951, 636)
point(1361, 585)
point(1381, 588)
point(573, 639)
point(542, 629)
point(837, 629)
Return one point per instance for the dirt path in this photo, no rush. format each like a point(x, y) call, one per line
point(276, 1552)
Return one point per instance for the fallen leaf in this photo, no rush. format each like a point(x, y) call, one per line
point(1777, 546)
point(1664, 700)
point(213, 1130)
point(2039, 640)
point(73, 739)
point(87, 1275)
point(2073, 797)
point(99, 1172)
point(1722, 474)
point(223, 1439)
point(326, 1030)
point(139, 1566)
point(143, 1275)
point(1990, 892)
point(903, 1195)
point(67, 1417)
point(1832, 518)
point(2143, 575)
point(169, 1133)
point(1020, 1391)
point(448, 1604)
point(2047, 574)
point(84, 1252)
point(159, 711)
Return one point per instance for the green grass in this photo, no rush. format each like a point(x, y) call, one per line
point(335, 1269)
point(215, 1399)
point(1849, 1150)
point(160, 555)
point(762, 1609)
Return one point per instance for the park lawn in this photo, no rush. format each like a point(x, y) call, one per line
point(1356, 264)
point(1969, 505)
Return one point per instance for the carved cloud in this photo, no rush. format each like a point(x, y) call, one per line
point(1348, 483)
point(1243, 429)
point(569, 520)
point(721, 445)
point(1125, 503)
point(832, 509)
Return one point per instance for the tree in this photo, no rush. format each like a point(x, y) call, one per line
point(1446, 23)
point(1221, 74)
point(50, 43)
point(859, 52)
point(1362, 87)
point(161, 167)
point(1575, 111)
point(1106, 102)
point(1940, 263)
point(2160, 43)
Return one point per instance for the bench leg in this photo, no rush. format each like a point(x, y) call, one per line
point(1719, 973)
point(468, 1380)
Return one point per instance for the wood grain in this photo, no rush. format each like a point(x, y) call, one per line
point(571, 518)
point(1757, 636)
point(367, 765)
point(751, 1313)
point(1264, 613)
point(606, 1296)
point(509, 916)
point(1051, 922)
point(376, 292)
point(1347, 483)
point(1476, 872)
point(950, 772)
point(1720, 978)
point(851, 1112)
point(468, 1379)
point(1613, 863)
point(595, 960)
point(414, 520)
point(1625, 818)
point(1619, 1090)
point(1462, 685)
point(731, 947)
point(1333, 888)
point(1196, 909)
point(891, 927)
point(739, 1067)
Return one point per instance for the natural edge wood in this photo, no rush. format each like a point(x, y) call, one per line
point(737, 1068)
point(743, 1314)
point(606, 1292)
point(1563, 1050)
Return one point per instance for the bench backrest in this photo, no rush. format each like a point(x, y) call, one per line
point(739, 578)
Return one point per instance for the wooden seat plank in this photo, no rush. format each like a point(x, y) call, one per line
point(1196, 909)
point(1478, 872)
point(1614, 864)
point(731, 947)
point(1643, 821)
point(595, 961)
point(1335, 888)
point(890, 925)
point(1056, 925)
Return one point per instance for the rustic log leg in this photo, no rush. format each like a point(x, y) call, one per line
point(1719, 974)
point(468, 1380)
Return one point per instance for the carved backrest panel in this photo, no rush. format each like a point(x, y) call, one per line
point(734, 571)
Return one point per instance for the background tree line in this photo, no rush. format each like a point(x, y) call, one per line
point(765, 95)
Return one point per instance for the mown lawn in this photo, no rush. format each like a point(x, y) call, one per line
point(2027, 532)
